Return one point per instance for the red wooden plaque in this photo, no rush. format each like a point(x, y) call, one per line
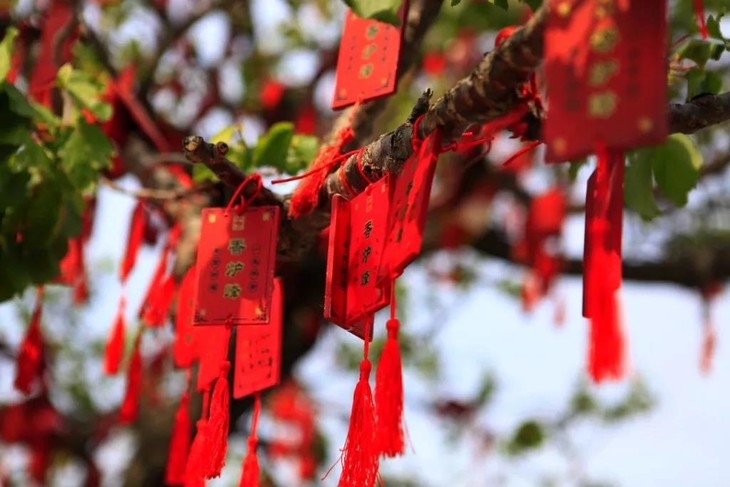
point(368, 59)
point(236, 263)
point(258, 351)
point(605, 69)
point(212, 351)
point(357, 234)
point(409, 196)
point(183, 349)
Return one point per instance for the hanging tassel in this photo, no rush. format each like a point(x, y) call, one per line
point(130, 405)
point(251, 471)
point(602, 276)
point(360, 456)
point(709, 340)
point(115, 344)
point(700, 13)
point(218, 425)
point(194, 475)
point(30, 362)
point(390, 438)
point(306, 196)
point(179, 444)
point(156, 282)
point(134, 240)
point(155, 312)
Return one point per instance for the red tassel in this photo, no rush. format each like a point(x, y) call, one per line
point(251, 471)
point(179, 444)
point(115, 344)
point(130, 405)
point(194, 475)
point(602, 281)
point(306, 196)
point(134, 240)
point(217, 440)
point(30, 362)
point(701, 24)
point(390, 439)
point(709, 340)
point(155, 311)
point(360, 456)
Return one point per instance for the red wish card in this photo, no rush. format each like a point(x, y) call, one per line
point(367, 63)
point(212, 351)
point(409, 195)
point(606, 75)
point(236, 263)
point(183, 348)
point(357, 234)
point(258, 351)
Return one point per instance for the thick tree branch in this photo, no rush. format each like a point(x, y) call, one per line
point(693, 270)
point(699, 113)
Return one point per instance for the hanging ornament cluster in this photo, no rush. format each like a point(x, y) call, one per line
point(606, 84)
point(605, 76)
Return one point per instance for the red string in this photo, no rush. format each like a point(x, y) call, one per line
point(392, 300)
point(329, 165)
point(346, 184)
point(517, 154)
point(259, 184)
point(360, 169)
point(700, 13)
point(415, 139)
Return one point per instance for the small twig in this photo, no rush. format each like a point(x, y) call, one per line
point(198, 151)
point(151, 193)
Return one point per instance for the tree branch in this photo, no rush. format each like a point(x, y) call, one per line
point(693, 270)
point(702, 112)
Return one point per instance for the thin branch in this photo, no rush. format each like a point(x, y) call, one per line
point(152, 193)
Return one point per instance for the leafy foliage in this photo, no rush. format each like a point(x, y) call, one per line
point(675, 168)
point(383, 10)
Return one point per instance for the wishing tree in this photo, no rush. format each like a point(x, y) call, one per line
point(351, 139)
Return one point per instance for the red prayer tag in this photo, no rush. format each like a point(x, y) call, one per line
point(409, 196)
point(212, 352)
point(605, 68)
point(357, 234)
point(367, 63)
point(236, 263)
point(258, 351)
point(604, 211)
point(183, 349)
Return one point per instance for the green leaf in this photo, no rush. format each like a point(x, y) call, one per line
point(713, 27)
point(639, 185)
point(529, 435)
point(273, 147)
point(582, 402)
point(302, 150)
point(502, 4)
point(85, 153)
point(701, 82)
point(700, 51)
point(575, 168)
point(383, 10)
point(454, 3)
point(676, 165)
point(202, 173)
point(6, 51)
point(226, 135)
point(84, 90)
